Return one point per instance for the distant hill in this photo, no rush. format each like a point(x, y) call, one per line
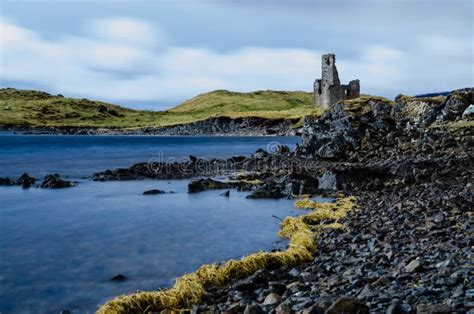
point(19, 108)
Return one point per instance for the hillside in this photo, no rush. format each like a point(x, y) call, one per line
point(27, 108)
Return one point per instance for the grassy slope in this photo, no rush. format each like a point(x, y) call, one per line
point(33, 108)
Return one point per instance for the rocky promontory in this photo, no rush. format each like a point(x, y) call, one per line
point(406, 247)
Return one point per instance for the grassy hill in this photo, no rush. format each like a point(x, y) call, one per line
point(40, 109)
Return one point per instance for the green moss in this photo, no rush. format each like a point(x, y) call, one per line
point(34, 108)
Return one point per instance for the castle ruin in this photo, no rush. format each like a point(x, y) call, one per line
point(328, 90)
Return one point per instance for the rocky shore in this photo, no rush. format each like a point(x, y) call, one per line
point(220, 126)
point(407, 246)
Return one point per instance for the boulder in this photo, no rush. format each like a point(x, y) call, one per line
point(53, 181)
point(271, 299)
point(6, 181)
point(118, 278)
point(25, 181)
point(469, 112)
point(209, 184)
point(347, 305)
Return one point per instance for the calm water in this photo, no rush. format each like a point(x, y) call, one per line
point(59, 248)
point(79, 156)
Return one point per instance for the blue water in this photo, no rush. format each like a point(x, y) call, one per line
point(59, 248)
point(79, 156)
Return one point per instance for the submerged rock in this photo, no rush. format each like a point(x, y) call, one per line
point(6, 181)
point(154, 192)
point(54, 181)
point(26, 181)
point(209, 184)
point(118, 278)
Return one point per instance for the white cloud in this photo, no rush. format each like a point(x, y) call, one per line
point(117, 61)
point(126, 30)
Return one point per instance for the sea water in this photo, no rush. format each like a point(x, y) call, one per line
point(60, 248)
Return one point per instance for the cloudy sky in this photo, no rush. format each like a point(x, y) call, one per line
point(155, 54)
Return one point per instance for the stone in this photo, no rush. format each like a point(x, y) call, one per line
point(347, 305)
point(469, 112)
point(459, 292)
point(272, 298)
point(226, 193)
point(283, 308)
point(54, 181)
point(154, 192)
point(433, 309)
point(118, 278)
point(253, 309)
point(25, 181)
point(314, 309)
point(6, 181)
point(328, 90)
point(328, 181)
point(208, 184)
point(413, 266)
point(395, 308)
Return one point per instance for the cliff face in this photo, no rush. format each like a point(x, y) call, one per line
point(350, 129)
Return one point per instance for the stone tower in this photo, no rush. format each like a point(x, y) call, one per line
point(328, 90)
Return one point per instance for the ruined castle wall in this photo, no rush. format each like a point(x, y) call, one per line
point(328, 90)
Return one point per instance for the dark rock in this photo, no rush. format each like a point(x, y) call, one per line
point(25, 181)
point(118, 278)
point(154, 192)
point(433, 309)
point(253, 309)
point(6, 181)
point(270, 189)
point(395, 308)
point(209, 184)
point(314, 309)
point(226, 193)
point(347, 305)
point(53, 181)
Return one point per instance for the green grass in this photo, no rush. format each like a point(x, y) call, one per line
point(40, 109)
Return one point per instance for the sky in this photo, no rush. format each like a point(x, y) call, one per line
point(156, 54)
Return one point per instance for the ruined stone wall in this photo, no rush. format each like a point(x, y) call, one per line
point(328, 90)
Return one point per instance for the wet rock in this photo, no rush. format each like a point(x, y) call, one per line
point(226, 193)
point(54, 181)
point(6, 181)
point(260, 154)
point(118, 278)
point(154, 192)
point(209, 184)
point(26, 181)
point(270, 189)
